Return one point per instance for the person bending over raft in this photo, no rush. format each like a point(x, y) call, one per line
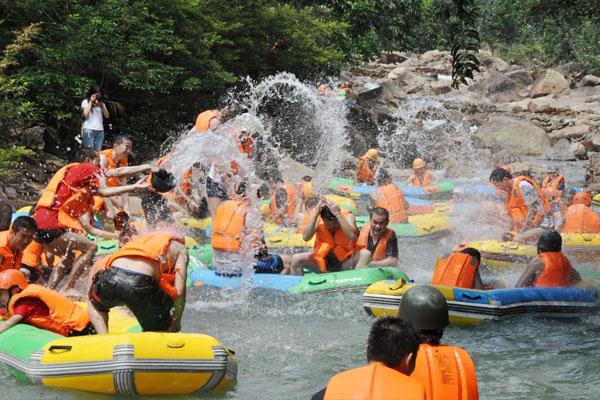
point(41, 307)
point(580, 218)
point(459, 269)
point(335, 245)
point(526, 204)
point(551, 268)
point(230, 234)
point(148, 276)
point(389, 196)
point(285, 204)
point(391, 349)
point(446, 372)
point(377, 243)
point(69, 196)
point(367, 167)
point(420, 175)
point(14, 241)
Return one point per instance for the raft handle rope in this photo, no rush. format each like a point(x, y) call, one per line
point(317, 282)
point(58, 347)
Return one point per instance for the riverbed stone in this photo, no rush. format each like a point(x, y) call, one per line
point(520, 137)
point(592, 142)
point(590, 80)
point(560, 151)
point(570, 132)
point(550, 82)
point(521, 76)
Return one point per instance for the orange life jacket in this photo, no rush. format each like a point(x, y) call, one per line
point(365, 173)
point(79, 203)
point(247, 147)
point(557, 270)
point(517, 208)
point(418, 182)
point(373, 382)
point(326, 241)
point(456, 269)
point(32, 254)
point(580, 218)
point(446, 372)
point(291, 204)
point(550, 187)
point(306, 190)
point(205, 118)
point(185, 186)
point(155, 247)
point(228, 226)
point(380, 252)
point(111, 164)
point(9, 259)
point(64, 316)
point(391, 198)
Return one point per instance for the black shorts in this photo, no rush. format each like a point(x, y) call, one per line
point(47, 236)
point(215, 189)
point(140, 293)
point(88, 330)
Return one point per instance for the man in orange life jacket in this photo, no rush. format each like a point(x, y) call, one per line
point(69, 198)
point(148, 276)
point(367, 167)
point(285, 203)
point(527, 206)
point(389, 196)
point(113, 158)
point(208, 120)
point(391, 349)
point(36, 263)
point(14, 241)
point(446, 372)
point(459, 269)
point(335, 244)
point(551, 268)
point(420, 175)
point(41, 307)
point(377, 243)
point(580, 218)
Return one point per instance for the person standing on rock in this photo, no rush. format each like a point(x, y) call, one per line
point(94, 111)
point(526, 205)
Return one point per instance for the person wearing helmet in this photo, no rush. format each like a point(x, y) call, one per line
point(41, 307)
point(420, 175)
point(445, 371)
point(286, 203)
point(551, 268)
point(389, 196)
point(526, 204)
point(391, 349)
point(580, 218)
point(14, 241)
point(367, 167)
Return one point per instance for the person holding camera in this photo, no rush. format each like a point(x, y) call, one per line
point(94, 111)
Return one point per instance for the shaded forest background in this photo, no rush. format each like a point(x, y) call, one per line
point(160, 62)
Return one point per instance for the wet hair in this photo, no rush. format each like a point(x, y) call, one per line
point(24, 223)
point(326, 214)
point(549, 241)
point(391, 340)
point(85, 153)
point(382, 212)
point(499, 174)
point(119, 139)
point(307, 178)
point(241, 189)
point(431, 336)
point(94, 89)
point(122, 215)
point(383, 177)
point(472, 252)
point(312, 202)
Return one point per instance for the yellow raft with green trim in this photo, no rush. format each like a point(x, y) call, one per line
point(127, 363)
point(470, 306)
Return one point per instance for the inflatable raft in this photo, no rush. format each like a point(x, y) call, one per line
point(467, 306)
point(349, 187)
point(430, 225)
point(127, 363)
point(354, 280)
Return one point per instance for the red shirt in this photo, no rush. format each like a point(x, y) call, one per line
point(82, 176)
point(29, 307)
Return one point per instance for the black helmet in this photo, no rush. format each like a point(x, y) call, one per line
point(163, 181)
point(550, 241)
point(425, 308)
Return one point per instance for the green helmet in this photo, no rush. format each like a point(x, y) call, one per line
point(425, 308)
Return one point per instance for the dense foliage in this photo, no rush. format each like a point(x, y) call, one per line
point(162, 61)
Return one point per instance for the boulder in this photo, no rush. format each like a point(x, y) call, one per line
point(33, 138)
point(498, 86)
point(578, 151)
point(504, 157)
point(589, 80)
point(10, 192)
point(394, 57)
point(550, 82)
point(440, 87)
point(592, 142)
point(521, 76)
point(592, 172)
point(431, 55)
point(5, 212)
point(402, 75)
point(495, 64)
point(560, 151)
point(520, 137)
point(570, 132)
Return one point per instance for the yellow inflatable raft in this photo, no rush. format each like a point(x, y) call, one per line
point(278, 236)
point(127, 363)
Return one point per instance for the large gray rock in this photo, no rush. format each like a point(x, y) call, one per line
point(592, 172)
point(521, 76)
point(432, 55)
point(592, 142)
point(440, 87)
point(495, 64)
point(520, 137)
point(33, 138)
point(590, 80)
point(560, 151)
point(550, 82)
point(570, 132)
point(578, 150)
point(5, 212)
point(402, 74)
point(498, 87)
